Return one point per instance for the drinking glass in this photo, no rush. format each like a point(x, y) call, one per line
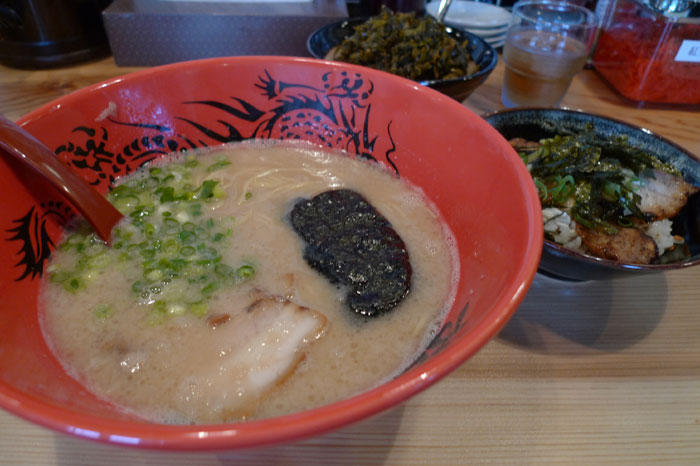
point(546, 46)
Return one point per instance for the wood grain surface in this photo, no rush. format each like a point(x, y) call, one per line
point(584, 373)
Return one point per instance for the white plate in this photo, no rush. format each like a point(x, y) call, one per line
point(496, 42)
point(476, 30)
point(470, 14)
point(489, 35)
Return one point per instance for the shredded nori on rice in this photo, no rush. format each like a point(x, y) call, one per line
point(596, 178)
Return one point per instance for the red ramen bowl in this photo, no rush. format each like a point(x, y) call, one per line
point(463, 165)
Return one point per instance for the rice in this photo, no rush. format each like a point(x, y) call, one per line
point(660, 232)
point(562, 228)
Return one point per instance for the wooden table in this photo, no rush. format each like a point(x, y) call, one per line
point(584, 373)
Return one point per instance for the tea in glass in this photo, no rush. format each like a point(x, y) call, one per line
point(544, 49)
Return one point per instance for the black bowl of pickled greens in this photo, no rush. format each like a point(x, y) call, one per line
point(447, 59)
point(631, 198)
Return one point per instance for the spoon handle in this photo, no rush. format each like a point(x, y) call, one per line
point(442, 10)
point(95, 208)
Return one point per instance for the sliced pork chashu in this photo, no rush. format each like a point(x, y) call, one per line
point(523, 145)
point(628, 245)
point(257, 350)
point(664, 195)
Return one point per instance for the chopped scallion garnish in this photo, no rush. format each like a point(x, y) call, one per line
point(169, 234)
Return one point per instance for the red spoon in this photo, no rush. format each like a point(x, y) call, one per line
point(97, 210)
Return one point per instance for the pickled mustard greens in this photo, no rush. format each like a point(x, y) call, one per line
point(175, 246)
point(414, 47)
point(597, 179)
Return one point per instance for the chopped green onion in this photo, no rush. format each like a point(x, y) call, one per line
point(178, 263)
point(149, 229)
point(210, 288)
point(60, 276)
point(171, 246)
point(196, 210)
point(137, 287)
point(219, 164)
point(245, 272)
point(119, 191)
point(199, 309)
point(170, 225)
point(147, 253)
point(176, 309)
point(125, 203)
point(565, 187)
point(208, 253)
point(179, 249)
point(100, 261)
point(154, 275)
point(541, 188)
point(187, 251)
point(166, 193)
point(103, 311)
point(201, 232)
point(186, 237)
point(207, 190)
point(224, 271)
point(74, 284)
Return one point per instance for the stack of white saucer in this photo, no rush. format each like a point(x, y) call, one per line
point(490, 22)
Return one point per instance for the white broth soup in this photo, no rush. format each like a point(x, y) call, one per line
point(204, 310)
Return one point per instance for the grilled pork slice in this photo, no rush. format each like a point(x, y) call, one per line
point(629, 245)
point(523, 145)
point(664, 195)
point(257, 349)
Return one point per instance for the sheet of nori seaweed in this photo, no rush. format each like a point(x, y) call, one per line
point(352, 244)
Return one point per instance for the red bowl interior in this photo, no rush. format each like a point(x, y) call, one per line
point(470, 172)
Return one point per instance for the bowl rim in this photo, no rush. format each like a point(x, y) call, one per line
point(304, 424)
point(489, 50)
point(611, 264)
